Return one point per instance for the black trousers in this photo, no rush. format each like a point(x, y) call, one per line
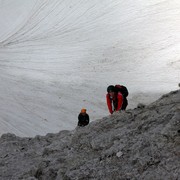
point(124, 105)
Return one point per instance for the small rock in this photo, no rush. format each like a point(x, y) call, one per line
point(141, 106)
point(119, 154)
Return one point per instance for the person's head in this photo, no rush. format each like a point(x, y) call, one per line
point(83, 111)
point(111, 90)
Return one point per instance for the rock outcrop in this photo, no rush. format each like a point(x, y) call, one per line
point(143, 143)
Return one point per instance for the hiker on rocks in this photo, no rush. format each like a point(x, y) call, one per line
point(83, 118)
point(116, 98)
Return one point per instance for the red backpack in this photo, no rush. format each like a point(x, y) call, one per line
point(122, 89)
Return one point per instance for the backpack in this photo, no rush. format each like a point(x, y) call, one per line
point(122, 89)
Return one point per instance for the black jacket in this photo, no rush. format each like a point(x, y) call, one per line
point(83, 120)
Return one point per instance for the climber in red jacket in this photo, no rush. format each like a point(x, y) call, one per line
point(114, 99)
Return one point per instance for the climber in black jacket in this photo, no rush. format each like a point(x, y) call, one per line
point(83, 118)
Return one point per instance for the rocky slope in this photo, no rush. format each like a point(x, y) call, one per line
point(143, 143)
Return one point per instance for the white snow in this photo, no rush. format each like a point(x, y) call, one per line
point(59, 56)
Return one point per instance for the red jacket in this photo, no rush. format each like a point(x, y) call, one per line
point(117, 102)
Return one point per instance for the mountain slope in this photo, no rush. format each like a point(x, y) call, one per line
point(143, 143)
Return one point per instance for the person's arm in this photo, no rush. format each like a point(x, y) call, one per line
point(87, 119)
point(79, 117)
point(79, 120)
point(109, 104)
point(120, 101)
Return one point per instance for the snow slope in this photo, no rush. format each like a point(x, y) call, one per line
point(59, 56)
